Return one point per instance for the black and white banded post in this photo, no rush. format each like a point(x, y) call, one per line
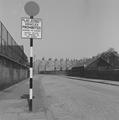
point(31, 30)
point(31, 74)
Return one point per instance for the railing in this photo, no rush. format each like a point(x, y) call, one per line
point(9, 48)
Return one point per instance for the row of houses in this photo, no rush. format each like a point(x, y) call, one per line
point(104, 65)
point(53, 64)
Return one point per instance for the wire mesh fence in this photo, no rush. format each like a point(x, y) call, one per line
point(9, 47)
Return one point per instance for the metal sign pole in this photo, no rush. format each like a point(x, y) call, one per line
point(31, 9)
point(31, 73)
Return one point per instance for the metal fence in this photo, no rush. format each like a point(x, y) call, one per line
point(9, 48)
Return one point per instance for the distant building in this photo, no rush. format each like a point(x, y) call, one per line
point(98, 64)
point(53, 65)
point(103, 61)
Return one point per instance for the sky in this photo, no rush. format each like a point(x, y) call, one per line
point(71, 28)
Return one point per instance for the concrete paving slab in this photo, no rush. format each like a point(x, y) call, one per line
point(12, 107)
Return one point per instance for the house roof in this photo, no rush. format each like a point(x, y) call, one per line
point(100, 61)
point(92, 60)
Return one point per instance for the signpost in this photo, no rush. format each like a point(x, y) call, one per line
point(31, 29)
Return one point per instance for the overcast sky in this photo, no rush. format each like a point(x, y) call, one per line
point(71, 28)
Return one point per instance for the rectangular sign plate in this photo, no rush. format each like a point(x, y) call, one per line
point(31, 28)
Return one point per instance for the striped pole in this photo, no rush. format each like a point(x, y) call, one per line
point(31, 73)
point(32, 9)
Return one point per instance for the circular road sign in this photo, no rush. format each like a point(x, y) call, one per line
point(31, 8)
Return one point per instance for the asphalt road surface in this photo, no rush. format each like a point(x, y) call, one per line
point(70, 99)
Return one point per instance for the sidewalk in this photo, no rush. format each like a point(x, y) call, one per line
point(108, 82)
point(12, 107)
point(16, 110)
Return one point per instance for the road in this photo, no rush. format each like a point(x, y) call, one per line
point(71, 99)
point(61, 98)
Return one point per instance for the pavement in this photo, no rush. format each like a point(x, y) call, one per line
point(12, 107)
point(108, 82)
